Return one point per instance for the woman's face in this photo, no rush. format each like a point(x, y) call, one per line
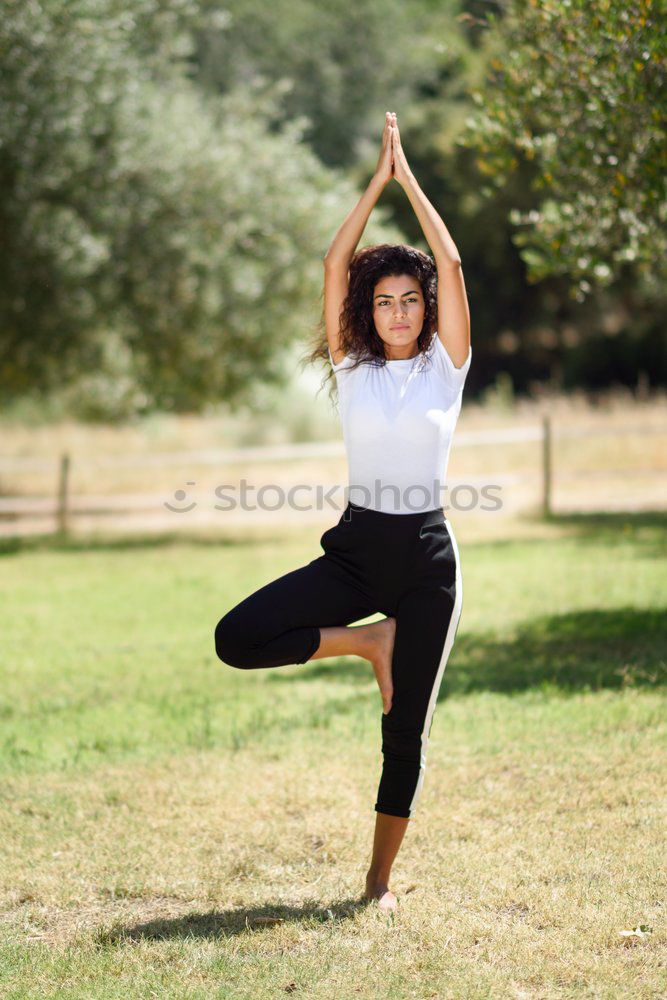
point(398, 313)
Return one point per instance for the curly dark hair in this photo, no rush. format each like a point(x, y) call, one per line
point(358, 337)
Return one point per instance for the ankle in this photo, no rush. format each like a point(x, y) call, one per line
point(377, 877)
point(366, 642)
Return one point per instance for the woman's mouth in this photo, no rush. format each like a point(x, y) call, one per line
point(403, 326)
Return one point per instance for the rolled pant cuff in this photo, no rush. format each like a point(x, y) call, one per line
point(315, 639)
point(392, 811)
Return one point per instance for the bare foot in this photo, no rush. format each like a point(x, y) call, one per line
point(380, 652)
point(380, 891)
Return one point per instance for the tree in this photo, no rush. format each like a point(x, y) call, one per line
point(343, 64)
point(577, 89)
point(163, 246)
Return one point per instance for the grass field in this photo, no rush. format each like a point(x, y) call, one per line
point(171, 827)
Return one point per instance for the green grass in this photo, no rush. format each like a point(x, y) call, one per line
point(155, 803)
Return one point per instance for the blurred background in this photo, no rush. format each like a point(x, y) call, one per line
point(173, 173)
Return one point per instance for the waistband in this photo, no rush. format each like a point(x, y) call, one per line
point(355, 513)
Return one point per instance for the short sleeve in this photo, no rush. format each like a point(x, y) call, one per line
point(344, 363)
point(455, 377)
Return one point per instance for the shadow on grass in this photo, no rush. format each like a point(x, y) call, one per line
point(648, 527)
point(580, 650)
point(595, 520)
point(56, 542)
point(229, 923)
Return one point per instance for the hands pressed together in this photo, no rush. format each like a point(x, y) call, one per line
point(392, 161)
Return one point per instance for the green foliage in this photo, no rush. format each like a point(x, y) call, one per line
point(343, 64)
point(133, 203)
point(577, 89)
point(168, 183)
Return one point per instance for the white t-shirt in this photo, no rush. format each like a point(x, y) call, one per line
point(398, 422)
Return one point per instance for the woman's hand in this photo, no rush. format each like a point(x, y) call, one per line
point(401, 169)
point(385, 170)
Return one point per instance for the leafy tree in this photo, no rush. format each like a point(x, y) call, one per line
point(577, 90)
point(163, 246)
point(342, 64)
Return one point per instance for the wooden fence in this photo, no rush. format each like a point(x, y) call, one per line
point(62, 506)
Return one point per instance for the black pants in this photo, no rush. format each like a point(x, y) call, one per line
point(402, 565)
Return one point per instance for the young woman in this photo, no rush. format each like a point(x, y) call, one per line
point(398, 339)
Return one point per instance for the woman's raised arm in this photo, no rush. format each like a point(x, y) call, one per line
point(345, 241)
point(338, 256)
point(454, 320)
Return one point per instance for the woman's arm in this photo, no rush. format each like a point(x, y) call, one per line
point(345, 241)
point(338, 256)
point(337, 263)
point(454, 321)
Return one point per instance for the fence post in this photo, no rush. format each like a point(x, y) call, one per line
point(546, 465)
point(63, 490)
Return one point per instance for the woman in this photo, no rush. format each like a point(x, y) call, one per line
point(398, 338)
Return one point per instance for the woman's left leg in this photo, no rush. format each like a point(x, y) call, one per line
point(427, 611)
point(426, 624)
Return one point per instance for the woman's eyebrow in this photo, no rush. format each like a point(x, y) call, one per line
point(386, 295)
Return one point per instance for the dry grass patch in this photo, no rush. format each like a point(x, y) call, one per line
point(524, 866)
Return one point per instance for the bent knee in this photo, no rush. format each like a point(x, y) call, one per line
point(230, 644)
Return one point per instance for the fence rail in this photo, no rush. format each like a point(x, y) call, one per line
point(309, 449)
point(62, 504)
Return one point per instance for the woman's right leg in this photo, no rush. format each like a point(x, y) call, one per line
point(302, 616)
point(299, 616)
